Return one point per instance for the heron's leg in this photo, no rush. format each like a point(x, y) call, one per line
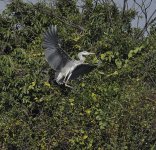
point(68, 77)
point(68, 86)
point(64, 80)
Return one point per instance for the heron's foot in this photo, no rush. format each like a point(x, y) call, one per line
point(64, 80)
point(68, 86)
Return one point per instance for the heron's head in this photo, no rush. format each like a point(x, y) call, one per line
point(86, 53)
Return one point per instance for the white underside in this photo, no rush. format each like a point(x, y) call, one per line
point(66, 72)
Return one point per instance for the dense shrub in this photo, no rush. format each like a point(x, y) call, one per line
point(113, 107)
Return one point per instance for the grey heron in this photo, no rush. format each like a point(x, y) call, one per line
point(65, 68)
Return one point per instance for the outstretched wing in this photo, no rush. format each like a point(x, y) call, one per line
point(81, 70)
point(56, 57)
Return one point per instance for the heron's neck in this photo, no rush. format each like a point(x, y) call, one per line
point(81, 57)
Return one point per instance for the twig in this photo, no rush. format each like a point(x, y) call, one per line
point(64, 20)
point(147, 23)
point(124, 8)
point(144, 8)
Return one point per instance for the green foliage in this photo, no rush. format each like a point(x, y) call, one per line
point(111, 108)
point(134, 52)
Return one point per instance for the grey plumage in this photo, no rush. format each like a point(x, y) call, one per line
point(65, 67)
point(55, 56)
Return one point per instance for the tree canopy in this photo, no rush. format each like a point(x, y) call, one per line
point(113, 107)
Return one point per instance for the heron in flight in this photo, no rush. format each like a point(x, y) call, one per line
point(65, 68)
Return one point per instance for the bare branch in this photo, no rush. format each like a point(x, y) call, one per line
point(124, 8)
point(64, 20)
point(113, 2)
point(149, 21)
point(144, 9)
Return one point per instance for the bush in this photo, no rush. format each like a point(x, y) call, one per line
point(111, 108)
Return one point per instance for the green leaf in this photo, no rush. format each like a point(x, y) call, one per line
point(88, 111)
point(85, 137)
point(118, 63)
point(135, 51)
point(102, 56)
point(130, 54)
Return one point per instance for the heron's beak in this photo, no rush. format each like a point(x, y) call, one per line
point(91, 53)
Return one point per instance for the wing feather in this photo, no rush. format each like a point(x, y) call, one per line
point(56, 57)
